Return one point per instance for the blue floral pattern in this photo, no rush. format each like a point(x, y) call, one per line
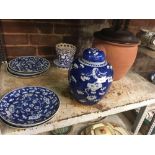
point(28, 106)
point(29, 64)
point(65, 53)
point(57, 63)
point(65, 59)
point(90, 77)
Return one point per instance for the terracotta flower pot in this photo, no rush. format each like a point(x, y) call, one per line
point(120, 56)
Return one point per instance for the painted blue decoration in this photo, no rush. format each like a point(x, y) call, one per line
point(65, 53)
point(59, 65)
point(29, 64)
point(22, 74)
point(65, 59)
point(28, 106)
point(90, 77)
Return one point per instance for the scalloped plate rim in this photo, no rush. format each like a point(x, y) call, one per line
point(33, 124)
point(26, 57)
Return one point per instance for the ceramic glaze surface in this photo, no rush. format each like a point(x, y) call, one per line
point(94, 55)
point(65, 59)
point(57, 63)
point(20, 74)
point(29, 64)
point(65, 53)
point(90, 76)
point(28, 106)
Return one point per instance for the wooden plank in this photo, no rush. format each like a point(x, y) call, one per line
point(130, 92)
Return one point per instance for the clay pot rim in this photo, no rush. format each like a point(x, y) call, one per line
point(119, 44)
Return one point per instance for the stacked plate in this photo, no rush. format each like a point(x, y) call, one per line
point(28, 106)
point(26, 66)
point(104, 129)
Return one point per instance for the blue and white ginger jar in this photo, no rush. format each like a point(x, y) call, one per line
point(90, 76)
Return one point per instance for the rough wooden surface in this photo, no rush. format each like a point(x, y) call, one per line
point(130, 90)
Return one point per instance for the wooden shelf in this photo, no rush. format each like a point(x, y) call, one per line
point(131, 92)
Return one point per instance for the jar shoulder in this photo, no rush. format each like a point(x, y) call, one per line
point(78, 70)
point(80, 64)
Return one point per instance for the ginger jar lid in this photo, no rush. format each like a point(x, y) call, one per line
point(94, 57)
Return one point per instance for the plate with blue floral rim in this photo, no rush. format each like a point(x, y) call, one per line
point(56, 62)
point(22, 74)
point(29, 64)
point(28, 106)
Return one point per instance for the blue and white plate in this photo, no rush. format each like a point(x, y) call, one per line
point(22, 74)
point(28, 106)
point(29, 64)
point(56, 62)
